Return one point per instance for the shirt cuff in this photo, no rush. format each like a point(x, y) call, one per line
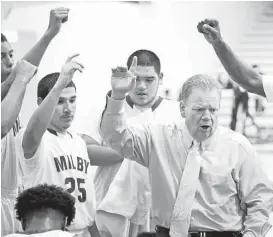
point(268, 87)
point(115, 106)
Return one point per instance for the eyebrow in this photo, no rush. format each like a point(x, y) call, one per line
point(11, 51)
point(63, 98)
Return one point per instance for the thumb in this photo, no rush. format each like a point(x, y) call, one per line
point(133, 65)
point(208, 29)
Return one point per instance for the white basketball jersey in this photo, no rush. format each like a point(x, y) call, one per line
point(63, 160)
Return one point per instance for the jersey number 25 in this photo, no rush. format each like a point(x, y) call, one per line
point(72, 182)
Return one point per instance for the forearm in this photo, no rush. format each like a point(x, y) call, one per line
point(255, 192)
point(240, 72)
point(39, 122)
point(128, 142)
point(36, 53)
point(11, 106)
point(114, 130)
point(102, 155)
point(34, 56)
point(5, 86)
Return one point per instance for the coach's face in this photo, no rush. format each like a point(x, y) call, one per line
point(147, 83)
point(65, 109)
point(7, 60)
point(200, 112)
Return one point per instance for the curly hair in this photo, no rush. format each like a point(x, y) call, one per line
point(45, 196)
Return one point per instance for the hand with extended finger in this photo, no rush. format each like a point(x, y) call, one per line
point(211, 30)
point(58, 16)
point(123, 80)
point(68, 70)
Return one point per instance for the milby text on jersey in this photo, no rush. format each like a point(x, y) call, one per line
point(67, 162)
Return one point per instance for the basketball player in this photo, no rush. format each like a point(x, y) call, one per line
point(51, 154)
point(45, 210)
point(123, 190)
point(13, 87)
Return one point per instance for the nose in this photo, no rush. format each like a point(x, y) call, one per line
point(67, 108)
point(141, 85)
point(206, 115)
point(10, 61)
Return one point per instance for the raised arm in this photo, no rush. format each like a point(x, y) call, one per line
point(42, 116)
point(127, 141)
point(239, 71)
point(11, 105)
point(36, 53)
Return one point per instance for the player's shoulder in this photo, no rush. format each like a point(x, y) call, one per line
point(77, 137)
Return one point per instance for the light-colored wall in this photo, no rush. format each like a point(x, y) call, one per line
point(106, 33)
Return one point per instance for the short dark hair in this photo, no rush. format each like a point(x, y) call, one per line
point(145, 58)
point(3, 38)
point(47, 83)
point(44, 196)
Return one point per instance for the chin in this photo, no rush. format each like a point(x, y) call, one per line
point(66, 126)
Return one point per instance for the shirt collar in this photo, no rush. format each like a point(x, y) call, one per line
point(56, 134)
point(154, 106)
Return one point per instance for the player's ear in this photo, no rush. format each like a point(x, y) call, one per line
point(160, 78)
point(182, 109)
point(39, 100)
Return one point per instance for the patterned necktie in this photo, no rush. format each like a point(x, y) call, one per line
point(180, 221)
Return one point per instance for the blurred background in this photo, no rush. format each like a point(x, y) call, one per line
point(106, 33)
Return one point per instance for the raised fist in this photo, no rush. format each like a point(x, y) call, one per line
point(68, 70)
point(211, 30)
point(57, 17)
point(24, 71)
point(123, 80)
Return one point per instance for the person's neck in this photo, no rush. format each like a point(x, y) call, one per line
point(43, 223)
point(58, 130)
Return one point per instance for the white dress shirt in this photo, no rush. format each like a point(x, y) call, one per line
point(233, 191)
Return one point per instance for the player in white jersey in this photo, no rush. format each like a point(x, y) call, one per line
point(45, 210)
point(123, 190)
point(13, 86)
point(51, 154)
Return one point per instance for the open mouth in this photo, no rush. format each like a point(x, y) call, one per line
point(205, 127)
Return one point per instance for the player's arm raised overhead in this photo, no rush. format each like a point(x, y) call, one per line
point(12, 103)
point(57, 17)
point(127, 141)
point(239, 71)
point(42, 116)
point(100, 155)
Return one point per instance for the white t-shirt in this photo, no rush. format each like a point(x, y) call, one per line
point(268, 87)
point(53, 233)
point(62, 160)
